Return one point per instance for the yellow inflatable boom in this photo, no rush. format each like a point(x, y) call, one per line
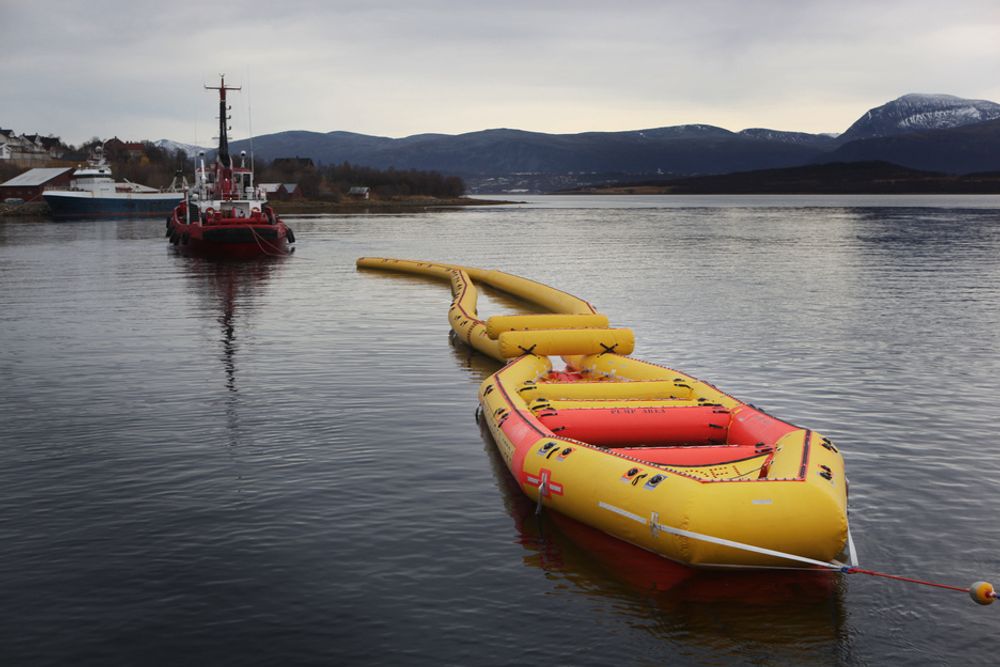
point(574, 328)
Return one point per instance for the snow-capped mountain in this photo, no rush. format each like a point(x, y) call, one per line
point(916, 112)
point(799, 138)
point(175, 146)
point(690, 131)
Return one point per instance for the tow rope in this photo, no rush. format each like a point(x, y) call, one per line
point(981, 592)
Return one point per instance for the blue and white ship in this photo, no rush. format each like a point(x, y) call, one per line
point(93, 193)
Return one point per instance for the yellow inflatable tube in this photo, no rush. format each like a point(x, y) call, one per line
point(638, 390)
point(506, 341)
point(499, 324)
point(534, 292)
point(560, 342)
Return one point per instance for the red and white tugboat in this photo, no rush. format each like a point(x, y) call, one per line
point(225, 214)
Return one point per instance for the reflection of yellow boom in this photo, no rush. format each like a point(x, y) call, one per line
point(645, 453)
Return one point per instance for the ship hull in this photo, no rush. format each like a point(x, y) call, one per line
point(69, 205)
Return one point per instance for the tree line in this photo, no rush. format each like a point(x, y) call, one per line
point(335, 181)
point(157, 167)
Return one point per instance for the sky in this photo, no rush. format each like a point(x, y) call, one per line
point(136, 69)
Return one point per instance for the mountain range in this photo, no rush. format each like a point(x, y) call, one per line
point(940, 133)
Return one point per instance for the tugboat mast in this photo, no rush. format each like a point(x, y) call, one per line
point(223, 154)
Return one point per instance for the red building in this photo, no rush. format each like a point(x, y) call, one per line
point(32, 183)
point(116, 148)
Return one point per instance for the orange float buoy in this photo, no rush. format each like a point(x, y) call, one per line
point(982, 592)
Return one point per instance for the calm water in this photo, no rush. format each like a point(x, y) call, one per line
point(277, 462)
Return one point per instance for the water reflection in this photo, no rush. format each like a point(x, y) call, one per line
point(232, 290)
point(914, 226)
point(479, 366)
point(801, 609)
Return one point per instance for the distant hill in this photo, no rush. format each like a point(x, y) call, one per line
point(938, 133)
point(685, 149)
point(831, 178)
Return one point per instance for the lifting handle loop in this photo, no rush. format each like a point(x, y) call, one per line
point(542, 486)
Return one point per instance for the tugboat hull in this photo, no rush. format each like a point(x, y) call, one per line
point(235, 238)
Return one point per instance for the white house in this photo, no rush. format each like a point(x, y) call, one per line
point(22, 150)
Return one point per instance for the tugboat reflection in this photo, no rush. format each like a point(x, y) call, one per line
point(232, 290)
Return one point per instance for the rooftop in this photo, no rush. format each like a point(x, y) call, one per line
point(36, 176)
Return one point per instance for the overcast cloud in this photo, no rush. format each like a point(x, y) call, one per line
point(395, 68)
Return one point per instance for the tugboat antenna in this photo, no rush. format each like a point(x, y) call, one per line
point(249, 119)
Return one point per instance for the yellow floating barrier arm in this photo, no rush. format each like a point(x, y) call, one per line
point(574, 327)
point(540, 294)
